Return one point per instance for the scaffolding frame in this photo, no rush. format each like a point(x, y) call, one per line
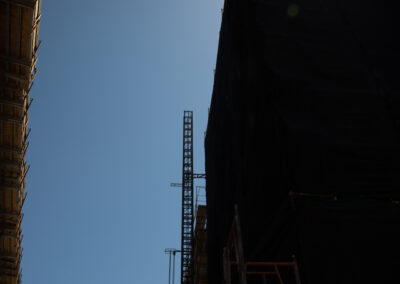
point(234, 241)
point(17, 71)
point(187, 200)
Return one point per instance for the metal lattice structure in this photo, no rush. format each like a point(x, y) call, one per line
point(187, 200)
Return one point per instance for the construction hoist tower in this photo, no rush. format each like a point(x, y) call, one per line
point(187, 200)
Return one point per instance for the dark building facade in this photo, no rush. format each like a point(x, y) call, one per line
point(303, 136)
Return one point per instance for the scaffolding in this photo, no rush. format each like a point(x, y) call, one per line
point(18, 56)
point(234, 249)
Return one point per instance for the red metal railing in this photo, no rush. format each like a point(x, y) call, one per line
point(274, 265)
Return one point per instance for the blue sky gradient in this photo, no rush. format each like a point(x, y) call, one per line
point(114, 79)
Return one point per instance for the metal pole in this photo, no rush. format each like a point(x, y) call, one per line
point(169, 251)
point(173, 273)
point(169, 271)
point(296, 270)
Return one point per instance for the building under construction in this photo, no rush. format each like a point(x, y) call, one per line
point(19, 27)
point(303, 146)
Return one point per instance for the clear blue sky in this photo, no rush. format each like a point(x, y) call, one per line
point(114, 79)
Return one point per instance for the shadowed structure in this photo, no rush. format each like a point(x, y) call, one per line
point(303, 135)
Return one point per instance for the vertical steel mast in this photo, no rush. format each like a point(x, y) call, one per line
point(187, 200)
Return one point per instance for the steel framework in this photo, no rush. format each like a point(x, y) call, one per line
point(187, 200)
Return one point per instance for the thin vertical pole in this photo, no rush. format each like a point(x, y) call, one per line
point(227, 266)
point(173, 274)
point(237, 234)
point(296, 270)
point(278, 274)
point(169, 271)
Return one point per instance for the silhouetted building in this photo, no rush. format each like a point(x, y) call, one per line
point(303, 136)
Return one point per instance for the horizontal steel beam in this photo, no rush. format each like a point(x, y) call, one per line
point(199, 175)
point(15, 60)
point(10, 221)
point(17, 103)
point(13, 257)
point(13, 88)
point(15, 77)
point(15, 164)
point(11, 150)
point(12, 187)
point(12, 119)
point(8, 214)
